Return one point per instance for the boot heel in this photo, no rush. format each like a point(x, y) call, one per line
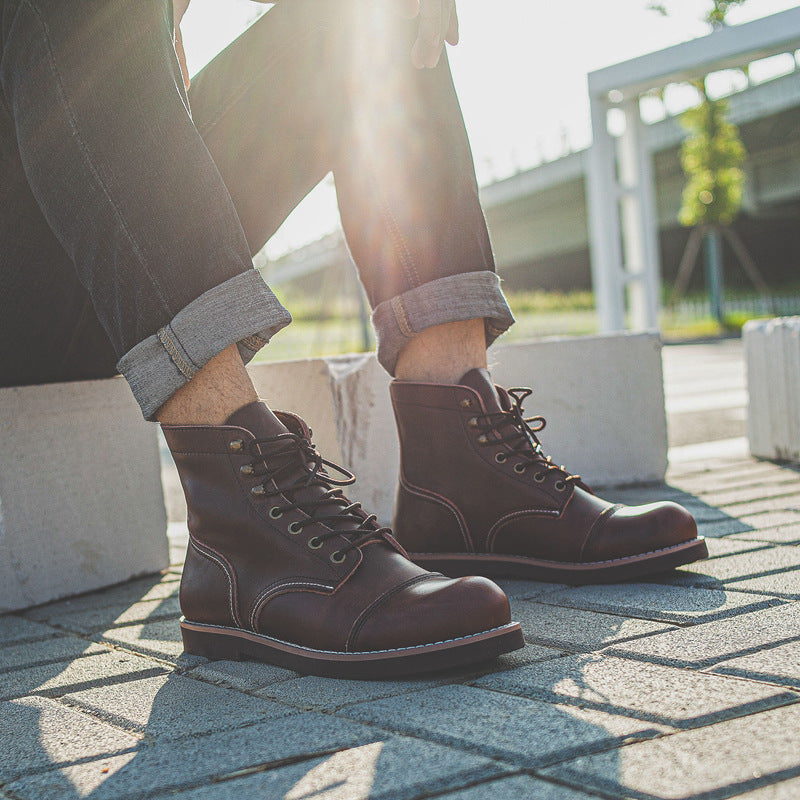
point(210, 645)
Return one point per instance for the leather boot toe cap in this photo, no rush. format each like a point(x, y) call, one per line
point(634, 530)
point(435, 609)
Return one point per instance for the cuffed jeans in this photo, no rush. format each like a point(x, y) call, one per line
point(129, 211)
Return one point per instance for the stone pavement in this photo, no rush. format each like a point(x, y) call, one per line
point(686, 685)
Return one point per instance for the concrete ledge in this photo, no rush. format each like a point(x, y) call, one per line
point(81, 504)
point(602, 396)
point(772, 356)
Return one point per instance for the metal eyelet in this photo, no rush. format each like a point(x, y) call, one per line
point(236, 445)
point(539, 477)
point(258, 491)
point(472, 422)
point(500, 458)
point(246, 469)
point(295, 528)
point(519, 468)
point(337, 557)
point(315, 543)
point(482, 439)
point(559, 486)
point(466, 403)
point(275, 512)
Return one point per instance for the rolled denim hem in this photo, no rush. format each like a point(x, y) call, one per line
point(243, 310)
point(470, 295)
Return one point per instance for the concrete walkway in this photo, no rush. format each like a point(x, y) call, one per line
point(684, 686)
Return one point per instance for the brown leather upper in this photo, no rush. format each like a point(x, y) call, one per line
point(247, 569)
point(462, 489)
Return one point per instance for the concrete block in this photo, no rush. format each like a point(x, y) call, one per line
point(527, 733)
point(705, 645)
point(81, 504)
point(664, 695)
point(663, 602)
point(772, 355)
point(173, 706)
point(159, 638)
point(195, 760)
point(60, 648)
point(779, 664)
point(244, 676)
point(716, 761)
point(602, 396)
point(14, 629)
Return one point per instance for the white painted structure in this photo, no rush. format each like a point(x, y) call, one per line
point(620, 188)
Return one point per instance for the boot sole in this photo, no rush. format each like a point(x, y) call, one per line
point(218, 642)
point(491, 565)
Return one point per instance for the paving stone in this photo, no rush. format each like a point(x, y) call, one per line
point(172, 706)
point(245, 676)
point(61, 648)
point(159, 638)
point(518, 730)
point(784, 502)
point(379, 771)
point(779, 664)
point(577, 630)
point(705, 645)
point(661, 602)
point(15, 629)
point(530, 654)
point(101, 618)
point(526, 590)
point(721, 548)
point(781, 534)
point(717, 761)
point(328, 694)
point(107, 667)
point(197, 760)
point(665, 695)
point(723, 527)
point(770, 519)
point(46, 733)
point(775, 488)
point(519, 787)
point(785, 790)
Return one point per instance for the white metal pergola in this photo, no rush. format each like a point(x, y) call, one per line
point(623, 228)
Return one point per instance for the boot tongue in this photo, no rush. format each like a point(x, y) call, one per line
point(258, 419)
point(481, 381)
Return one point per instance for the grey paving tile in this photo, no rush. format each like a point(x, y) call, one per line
point(113, 666)
point(46, 733)
point(379, 771)
point(662, 602)
point(785, 790)
point(171, 706)
point(723, 527)
point(717, 761)
point(770, 519)
point(721, 548)
point(781, 534)
point(779, 664)
point(665, 695)
point(530, 654)
point(246, 676)
point(704, 645)
point(328, 694)
point(518, 730)
point(577, 630)
point(61, 648)
point(784, 502)
point(159, 638)
point(101, 618)
point(770, 486)
point(15, 629)
point(518, 787)
point(196, 760)
point(526, 590)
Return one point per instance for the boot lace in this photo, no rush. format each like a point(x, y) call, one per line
point(293, 458)
point(518, 433)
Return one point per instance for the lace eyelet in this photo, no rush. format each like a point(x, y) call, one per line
point(246, 469)
point(337, 557)
point(258, 491)
point(275, 512)
point(472, 422)
point(315, 543)
point(295, 528)
point(466, 403)
point(482, 439)
point(500, 458)
point(559, 486)
point(236, 445)
point(539, 477)
point(519, 468)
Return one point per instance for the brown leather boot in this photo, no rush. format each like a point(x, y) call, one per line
point(478, 496)
point(282, 567)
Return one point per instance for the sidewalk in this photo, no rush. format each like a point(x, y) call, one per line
point(684, 686)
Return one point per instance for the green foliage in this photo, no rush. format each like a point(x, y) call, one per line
point(716, 16)
point(712, 157)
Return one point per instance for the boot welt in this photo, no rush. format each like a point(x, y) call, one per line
point(218, 642)
point(495, 565)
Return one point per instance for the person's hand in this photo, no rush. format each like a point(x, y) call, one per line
point(179, 9)
point(438, 24)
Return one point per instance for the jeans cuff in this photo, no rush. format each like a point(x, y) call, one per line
point(469, 295)
point(242, 309)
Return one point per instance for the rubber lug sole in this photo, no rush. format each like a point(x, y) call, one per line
point(218, 642)
point(493, 565)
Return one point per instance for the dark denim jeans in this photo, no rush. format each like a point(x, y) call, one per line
point(129, 211)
